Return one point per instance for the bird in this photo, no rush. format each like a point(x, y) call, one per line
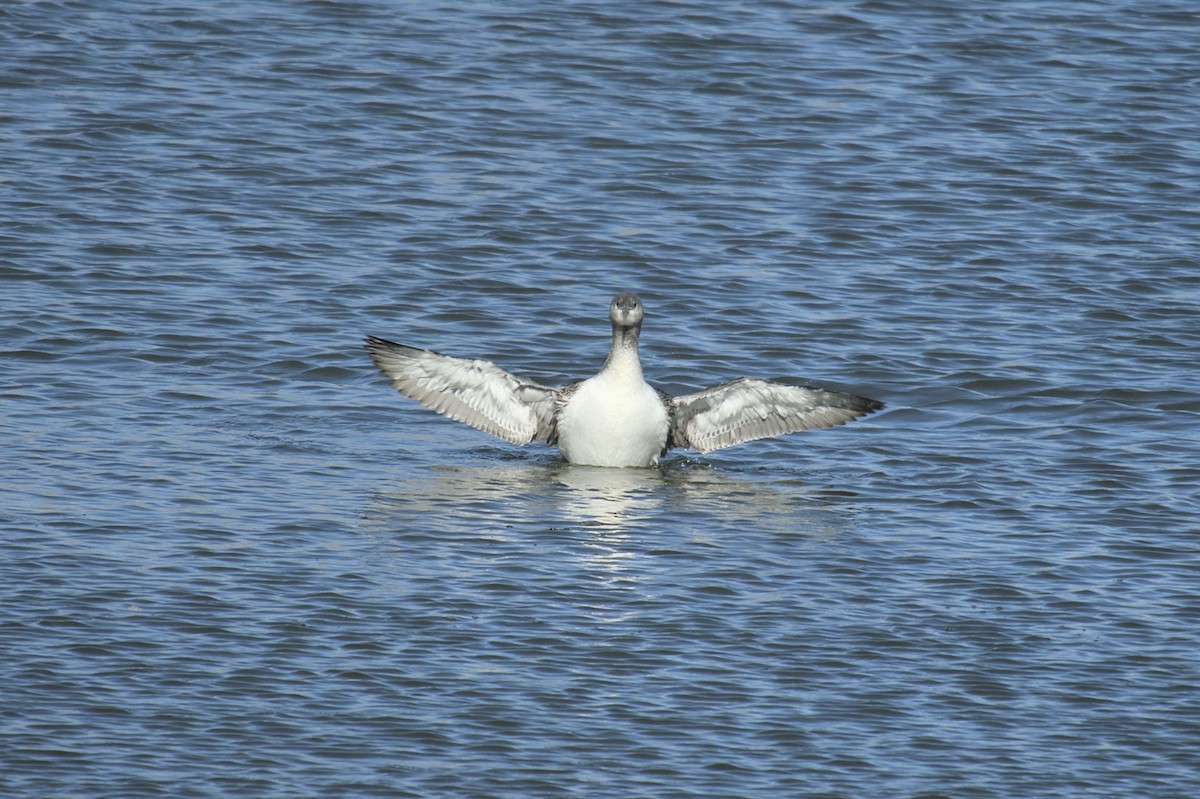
point(614, 418)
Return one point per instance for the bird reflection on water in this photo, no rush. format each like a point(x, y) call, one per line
point(507, 497)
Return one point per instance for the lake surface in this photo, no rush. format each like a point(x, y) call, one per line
point(234, 562)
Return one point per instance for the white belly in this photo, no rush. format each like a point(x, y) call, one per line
point(612, 422)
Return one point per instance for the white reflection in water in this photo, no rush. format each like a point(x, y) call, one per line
point(499, 498)
point(610, 498)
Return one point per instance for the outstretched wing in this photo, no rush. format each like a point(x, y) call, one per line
point(476, 392)
point(746, 409)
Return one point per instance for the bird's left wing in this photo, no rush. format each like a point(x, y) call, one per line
point(476, 392)
point(747, 409)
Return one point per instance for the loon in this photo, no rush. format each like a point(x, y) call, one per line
point(614, 418)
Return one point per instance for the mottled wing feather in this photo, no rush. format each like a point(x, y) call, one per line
point(476, 392)
point(747, 409)
point(561, 397)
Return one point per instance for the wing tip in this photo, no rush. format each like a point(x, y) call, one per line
point(374, 343)
point(871, 405)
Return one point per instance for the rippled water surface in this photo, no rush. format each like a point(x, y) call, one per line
point(234, 562)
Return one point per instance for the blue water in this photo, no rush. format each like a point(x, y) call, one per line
point(234, 562)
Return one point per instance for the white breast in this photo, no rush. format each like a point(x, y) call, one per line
point(613, 419)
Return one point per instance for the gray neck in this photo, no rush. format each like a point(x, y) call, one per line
point(624, 343)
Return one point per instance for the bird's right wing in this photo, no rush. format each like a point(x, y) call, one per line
point(476, 392)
